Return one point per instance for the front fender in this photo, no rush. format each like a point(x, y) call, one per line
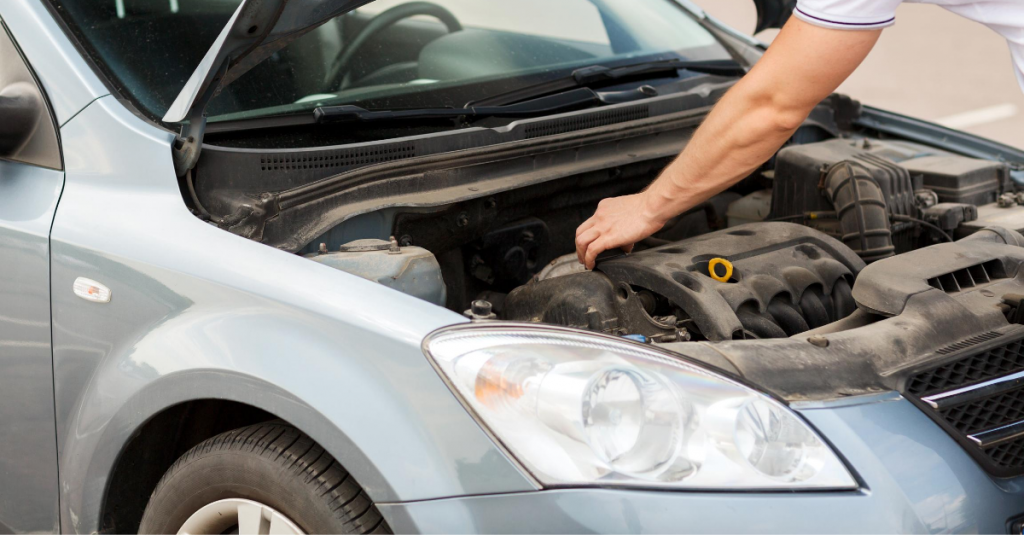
point(376, 405)
point(198, 313)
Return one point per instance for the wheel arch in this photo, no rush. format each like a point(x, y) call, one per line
point(154, 447)
point(156, 427)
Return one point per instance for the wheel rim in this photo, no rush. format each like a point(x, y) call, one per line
point(252, 518)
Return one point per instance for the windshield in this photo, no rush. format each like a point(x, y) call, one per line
point(387, 54)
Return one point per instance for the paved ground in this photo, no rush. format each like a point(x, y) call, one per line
point(932, 64)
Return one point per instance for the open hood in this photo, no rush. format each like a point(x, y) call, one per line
point(773, 13)
point(256, 30)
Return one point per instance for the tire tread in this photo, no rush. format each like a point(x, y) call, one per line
point(299, 456)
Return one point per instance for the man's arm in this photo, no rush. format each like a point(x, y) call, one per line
point(804, 65)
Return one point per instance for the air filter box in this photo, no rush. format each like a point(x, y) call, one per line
point(799, 171)
point(959, 179)
point(899, 168)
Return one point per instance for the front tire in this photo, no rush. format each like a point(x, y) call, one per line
point(257, 476)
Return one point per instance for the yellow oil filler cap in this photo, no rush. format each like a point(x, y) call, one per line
point(717, 273)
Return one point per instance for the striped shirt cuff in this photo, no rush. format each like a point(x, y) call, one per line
point(841, 23)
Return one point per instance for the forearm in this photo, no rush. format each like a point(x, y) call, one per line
point(754, 119)
point(739, 135)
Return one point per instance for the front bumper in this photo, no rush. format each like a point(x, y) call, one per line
point(915, 479)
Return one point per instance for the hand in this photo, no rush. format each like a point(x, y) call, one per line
point(619, 222)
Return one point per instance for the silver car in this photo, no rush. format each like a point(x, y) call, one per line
point(306, 266)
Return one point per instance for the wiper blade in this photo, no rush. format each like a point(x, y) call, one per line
point(562, 94)
point(599, 74)
point(569, 100)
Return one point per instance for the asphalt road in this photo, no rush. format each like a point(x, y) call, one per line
point(932, 64)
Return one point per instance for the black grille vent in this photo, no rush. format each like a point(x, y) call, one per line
point(336, 158)
point(979, 399)
point(996, 362)
point(1008, 454)
point(987, 413)
point(585, 121)
point(967, 278)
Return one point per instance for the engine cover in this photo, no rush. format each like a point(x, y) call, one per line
point(786, 279)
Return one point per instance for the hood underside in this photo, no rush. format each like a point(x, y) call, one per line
point(256, 30)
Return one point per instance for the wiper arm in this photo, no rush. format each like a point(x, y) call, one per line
point(599, 74)
point(569, 100)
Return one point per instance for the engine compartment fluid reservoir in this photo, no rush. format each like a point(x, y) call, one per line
point(410, 270)
point(750, 209)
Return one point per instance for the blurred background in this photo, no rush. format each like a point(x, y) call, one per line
point(932, 64)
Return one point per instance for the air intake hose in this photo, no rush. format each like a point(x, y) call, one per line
point(861, 210)
point(997, 235)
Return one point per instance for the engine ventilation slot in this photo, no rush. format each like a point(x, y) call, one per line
point(970, 277)
point(972, 341)
point(585, 121)
point(336, 158)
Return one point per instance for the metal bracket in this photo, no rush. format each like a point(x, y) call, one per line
point(189, 143)
point(186, 148)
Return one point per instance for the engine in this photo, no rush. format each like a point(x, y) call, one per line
point(851, 202)
point(775, 257)
point(767, 280)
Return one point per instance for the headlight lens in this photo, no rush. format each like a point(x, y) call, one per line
point(576, 409)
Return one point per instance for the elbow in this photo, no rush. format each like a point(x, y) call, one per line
point(778, 113)
point(786, 119)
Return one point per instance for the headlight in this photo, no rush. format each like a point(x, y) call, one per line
point(579, 409)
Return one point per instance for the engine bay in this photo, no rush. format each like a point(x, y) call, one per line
point(862, 259)
point(775, 257)
point(488, 231)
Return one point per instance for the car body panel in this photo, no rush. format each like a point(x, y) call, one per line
point(30, 187)
point(916, 480)
point(198, 313)
point(28, 469)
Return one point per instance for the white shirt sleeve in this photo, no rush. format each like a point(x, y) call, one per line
point(848, 14)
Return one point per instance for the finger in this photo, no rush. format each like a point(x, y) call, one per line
point(595, 248)
point(628, 248)
point(584, 240)
point(585, 226)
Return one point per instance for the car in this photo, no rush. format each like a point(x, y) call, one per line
point(307, 266)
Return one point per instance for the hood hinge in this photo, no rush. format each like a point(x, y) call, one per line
point(188, 144)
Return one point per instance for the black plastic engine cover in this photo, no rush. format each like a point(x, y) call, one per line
point(786, 278)
point(587, 300)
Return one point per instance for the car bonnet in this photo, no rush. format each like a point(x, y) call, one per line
point(256, 30)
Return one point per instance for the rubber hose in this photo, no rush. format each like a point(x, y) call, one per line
point(830, 306)
point(997, 235)
point(813, 309)
point(787, 317)
point(761, 326)
point(861, 209)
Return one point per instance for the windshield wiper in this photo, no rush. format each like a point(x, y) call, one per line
point(573, 99)
point(599, 74)
point(562, 94)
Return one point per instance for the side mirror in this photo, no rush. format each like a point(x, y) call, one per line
point(20, 109)
point(773, 13)
point(28, 131)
